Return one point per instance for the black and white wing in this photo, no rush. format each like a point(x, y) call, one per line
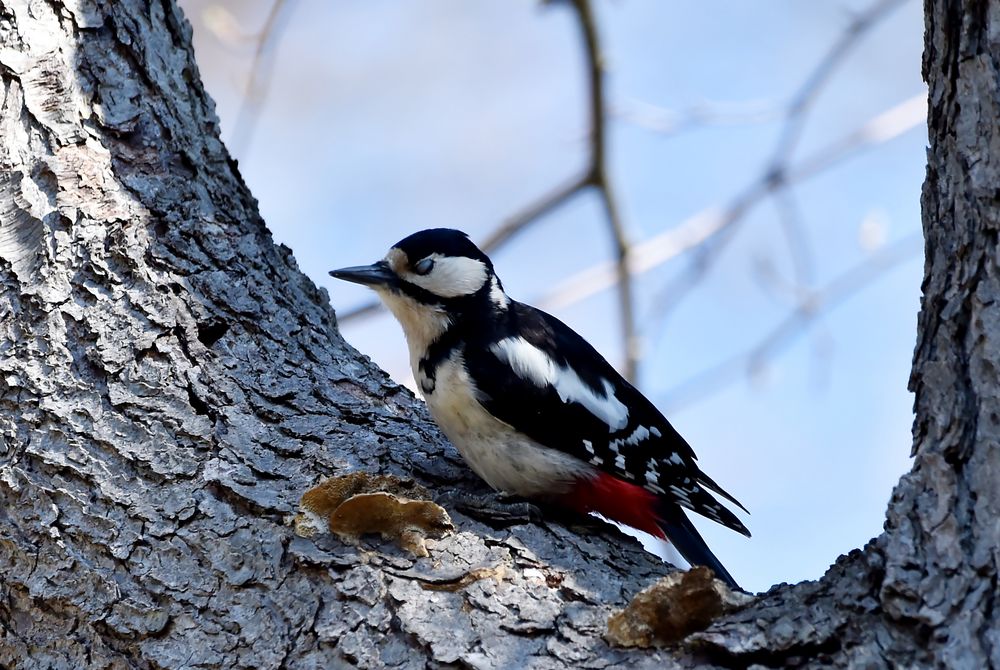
point(551, 384)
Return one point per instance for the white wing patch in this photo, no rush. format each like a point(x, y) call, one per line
point(531, 363)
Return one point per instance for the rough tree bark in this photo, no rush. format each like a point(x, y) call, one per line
point(170, 384)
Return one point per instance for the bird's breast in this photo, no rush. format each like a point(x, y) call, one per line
point(506, 459)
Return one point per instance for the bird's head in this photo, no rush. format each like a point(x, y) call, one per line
point(430, 279)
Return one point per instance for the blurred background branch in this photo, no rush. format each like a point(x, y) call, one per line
point(259, 78)
point(810, 306)
point(774, 179)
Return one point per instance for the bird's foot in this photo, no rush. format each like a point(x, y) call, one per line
point(494, 508)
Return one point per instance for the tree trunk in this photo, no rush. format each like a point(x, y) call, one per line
point(170, 385)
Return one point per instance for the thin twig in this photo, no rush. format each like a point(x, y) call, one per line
point(711, 221)
point(793, 226)
point(600, 181)
point(775, 177)
point(798, 108)
point(370, 308)
point(259, 77)
point(810, 307)
point(882, 128)
point(534, 211)
point(671, 122)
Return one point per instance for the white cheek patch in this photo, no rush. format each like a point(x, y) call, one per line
point(531, 363)
point(452, 276)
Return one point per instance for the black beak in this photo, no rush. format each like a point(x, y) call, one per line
point(377, 274)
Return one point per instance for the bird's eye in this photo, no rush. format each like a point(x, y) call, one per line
point(424, 266)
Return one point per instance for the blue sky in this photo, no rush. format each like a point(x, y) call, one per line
point(383, 118)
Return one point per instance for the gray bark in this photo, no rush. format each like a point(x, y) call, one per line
point(170, 385)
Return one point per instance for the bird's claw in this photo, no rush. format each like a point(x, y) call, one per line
point(495, 508)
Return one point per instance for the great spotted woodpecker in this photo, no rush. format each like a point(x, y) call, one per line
point(533, 408)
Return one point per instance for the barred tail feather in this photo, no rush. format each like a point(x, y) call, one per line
point(709, 483)
point(683, 535)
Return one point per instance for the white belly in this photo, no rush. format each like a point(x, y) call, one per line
point(507, 461)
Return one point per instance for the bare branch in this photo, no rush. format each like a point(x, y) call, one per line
point(798, 109)
point(702, 227)
point(599, 180)
point(793, 226)
point(534, 211)
point(645, 256)
point(888, 125)
point(259, 76)
point(775, 177)
point(811, 306)
point(672, 122)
